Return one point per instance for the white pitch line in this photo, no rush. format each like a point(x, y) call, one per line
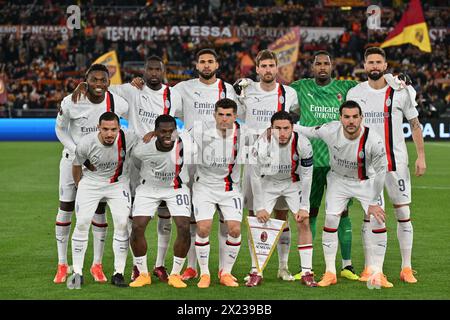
point(432, 187)
point(439, 144)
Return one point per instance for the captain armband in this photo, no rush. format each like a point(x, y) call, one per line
point(308, 162)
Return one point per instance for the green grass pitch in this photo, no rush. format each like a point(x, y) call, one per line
point(28, 206)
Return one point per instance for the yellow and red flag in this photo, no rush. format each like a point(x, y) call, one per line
point(412, 28)
point(286, 48)
point(110, 60)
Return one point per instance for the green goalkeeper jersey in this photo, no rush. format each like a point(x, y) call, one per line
point(319, 105)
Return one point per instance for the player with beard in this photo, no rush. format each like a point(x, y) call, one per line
point(107, 154)
point(358, 168)
point(199, 96)
point(146, 105)
point(383, 109)
point(284, 166)
point(258, 102)
point(319, 99)
point(72, 123)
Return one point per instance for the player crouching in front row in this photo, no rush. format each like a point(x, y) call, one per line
point(104, 176)
point(163, 164)
point(358, 168)
point(284, 168)
point(221, 152)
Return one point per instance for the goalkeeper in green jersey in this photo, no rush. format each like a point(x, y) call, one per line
point(319, 100)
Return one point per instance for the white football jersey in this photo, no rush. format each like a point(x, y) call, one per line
point(198, 100)
point(220, 158)
point(147, 104)
point(358, 159)
point(111, 162)
point(282, 162)
point(165, 169)
point(257, 106)
point(81, 118)
point(383, 111)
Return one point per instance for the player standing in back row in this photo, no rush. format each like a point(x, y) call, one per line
point(72, 123)
point(198, 101)
point(319, 100)
point(259, 101)
point(146, 105)
point(383, 109)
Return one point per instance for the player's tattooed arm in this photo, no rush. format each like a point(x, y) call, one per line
point(416, 130)
point(414, 124)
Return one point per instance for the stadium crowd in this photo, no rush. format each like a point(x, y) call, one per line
point(39, 70)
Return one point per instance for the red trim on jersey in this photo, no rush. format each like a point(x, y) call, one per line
point(177, 182)
point(222, 88)
point(118, 171)
point(294, 162)
point(305, 247)
point(361, 155)
point(228, 180)
point(388, 138)
point(329, 229)
point(281, 95)
point(108, 102)
point(166, 99)
point(379, 230)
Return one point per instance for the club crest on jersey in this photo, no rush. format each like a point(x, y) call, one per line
point(264, 236)
point(222, 95)
point(339, 97)
point(295, 157)
point(388, 101)
point(122, 153)
point(361, 155)
point(281, 100)
point(167, 104)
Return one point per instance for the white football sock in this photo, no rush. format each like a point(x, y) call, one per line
point(79, 247)
point(405, 234)
point(178, 264)
point(141, 264)
point(365, 242)
point(62, 232)
point(222, 234)
point(252, 256)
point(99, 229)
point(330, 241)
point(120, 249)
point(233, 245)
point(164, 230)
point(283, 246)
point(305, 252)
point(192, 255)
point(202, 248)
point(378, 242)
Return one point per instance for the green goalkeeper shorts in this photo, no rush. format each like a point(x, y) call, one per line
point(319, 181)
